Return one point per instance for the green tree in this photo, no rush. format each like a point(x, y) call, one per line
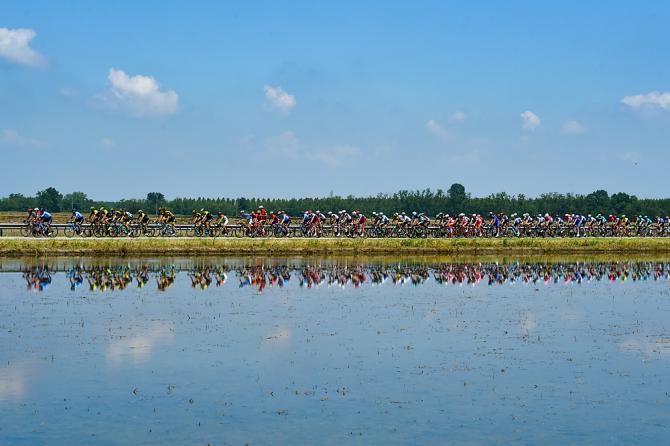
point(457, 197)
point(597, 202)
point(154, 201)
point(49, 199)
point(76, 200)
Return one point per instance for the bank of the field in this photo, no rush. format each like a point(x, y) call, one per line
point(297, 246)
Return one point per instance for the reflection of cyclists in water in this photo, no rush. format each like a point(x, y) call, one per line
point(110, 278)
point(75, 277)
point(165, 279)
point(38, 278)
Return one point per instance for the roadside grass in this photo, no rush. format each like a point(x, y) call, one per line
point(300, 246)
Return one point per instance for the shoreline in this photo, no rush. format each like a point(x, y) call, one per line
point(301, 246)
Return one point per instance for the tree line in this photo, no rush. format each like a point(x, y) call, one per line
point(454, 200)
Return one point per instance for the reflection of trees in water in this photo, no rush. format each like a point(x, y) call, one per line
point(120, 277)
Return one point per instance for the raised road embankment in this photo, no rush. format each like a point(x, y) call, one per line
point(303, 246)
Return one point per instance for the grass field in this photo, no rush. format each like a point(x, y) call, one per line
point(300, 246)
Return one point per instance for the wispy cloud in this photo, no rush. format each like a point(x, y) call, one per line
point(15, 47)
point(286, 144)
point(336, 156)
point(438, 130)
point(630, 157)
point(139, 96)
point(573, 127)
point(529, 120)
point(12, 137)
point(107, 142)
point(653, 99)
point(67, 92)
point(279, 100)
point(457, 117)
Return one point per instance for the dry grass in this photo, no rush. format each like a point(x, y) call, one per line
point(452, 247)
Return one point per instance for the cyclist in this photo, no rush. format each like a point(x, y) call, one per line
point(93, 216)
point(206, 217)
point(273, 221)
point(222, 222)
point(31, 215)
point(495, 223)
point(334, 220)
point(126, 218)
point(262, 214)
point(359, 223)
point(44, 220)
point(77, 219)
point(245, 221)
point(142, 220)
point(103, 216)
point(405, 221)
point(285, 221)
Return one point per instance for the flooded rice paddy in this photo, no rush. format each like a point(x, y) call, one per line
point(334, 351)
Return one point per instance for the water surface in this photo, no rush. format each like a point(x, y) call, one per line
point(355, 351)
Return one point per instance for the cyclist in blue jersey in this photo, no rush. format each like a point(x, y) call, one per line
point(495, 223)
point(285, 221)
point(245, 221)
point(45, 217)
point(77, 217)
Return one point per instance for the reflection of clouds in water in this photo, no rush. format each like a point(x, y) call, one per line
point(647, 346)
point(571, 316)
point(528, 322)
point(279, 337)
point(14, 381)
point(137, 348)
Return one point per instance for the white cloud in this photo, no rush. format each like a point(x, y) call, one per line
point(140, 95)
point(107, 142)
point(15, 47)
point(12, 137)
point(336, 156)
point(437, 129)
point(573, 127)
point(457, 117)
point(654, 99)
point(279, 100)
point(529, 120)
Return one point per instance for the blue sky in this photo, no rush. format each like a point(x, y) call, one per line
point(278, 99)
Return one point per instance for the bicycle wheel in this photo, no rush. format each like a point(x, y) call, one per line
point(69, 231)
point(26, 230)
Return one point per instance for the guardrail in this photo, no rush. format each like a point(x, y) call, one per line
point(237, 229)
point(179, 228)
